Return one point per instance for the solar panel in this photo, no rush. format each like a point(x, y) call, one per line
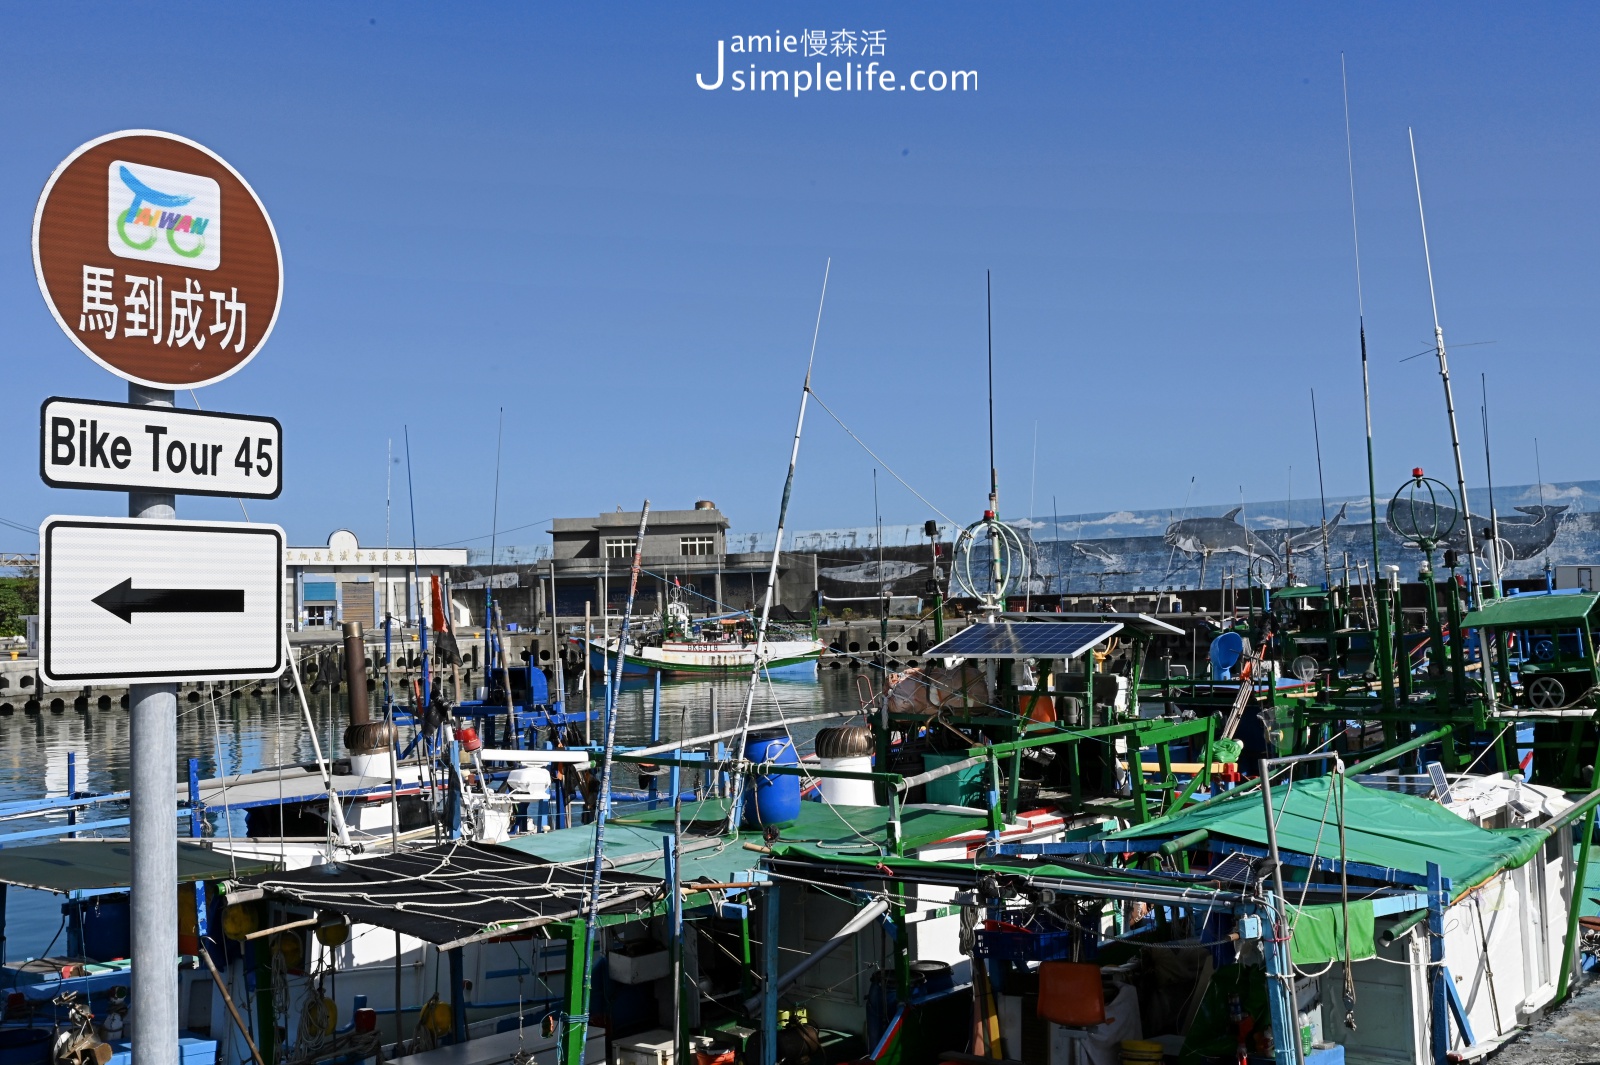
point(1235, 868)
point(1042, 639)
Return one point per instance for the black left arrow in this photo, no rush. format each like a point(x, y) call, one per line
point(124, 600)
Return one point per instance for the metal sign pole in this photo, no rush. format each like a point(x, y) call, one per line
point(153, 813)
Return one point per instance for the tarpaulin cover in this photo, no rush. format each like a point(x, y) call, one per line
point(1537, 608)
point(1319, 932)
point(1382, 828)
point(457, 891)
point(100, 864)
point(834, 830)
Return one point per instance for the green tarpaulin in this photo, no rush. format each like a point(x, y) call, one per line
point(1537, 608)
point(1382, 828)
point(1319, 933)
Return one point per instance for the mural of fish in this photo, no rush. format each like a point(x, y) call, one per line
point(1306, 539)
point(1212, 536)
point(872, 572)
point(1520, 537)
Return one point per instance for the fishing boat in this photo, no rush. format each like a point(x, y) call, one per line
point(720, 645)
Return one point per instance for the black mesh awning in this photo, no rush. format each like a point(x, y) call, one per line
point(457, 892)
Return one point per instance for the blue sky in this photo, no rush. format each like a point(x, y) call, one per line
point(535, 208)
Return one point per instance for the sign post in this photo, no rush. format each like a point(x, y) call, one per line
point(158, 260)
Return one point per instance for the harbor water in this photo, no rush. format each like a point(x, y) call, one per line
point(237, 734)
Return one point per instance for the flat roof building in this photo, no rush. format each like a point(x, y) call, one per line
point(346, 581)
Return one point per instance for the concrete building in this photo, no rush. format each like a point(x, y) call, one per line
point(592, 557)
point(345, 581)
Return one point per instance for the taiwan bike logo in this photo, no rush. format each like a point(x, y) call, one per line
point(164, 216)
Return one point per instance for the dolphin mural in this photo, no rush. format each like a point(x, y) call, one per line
point(1520, 537)
point(874, 572)
point(1211, 536)
point(1308, 538)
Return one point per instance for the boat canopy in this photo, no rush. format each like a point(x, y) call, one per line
point(633, 840)
point(107, 864)
point(1382, 828)
point(1535, 608)
point(456, 893)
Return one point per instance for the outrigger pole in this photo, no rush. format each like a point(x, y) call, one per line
point(1444, 375)
point(1474, 589)
point(737, 792)
point(577, 1026)
point(1385, 655)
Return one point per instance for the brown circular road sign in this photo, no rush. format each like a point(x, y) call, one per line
point(157, 259)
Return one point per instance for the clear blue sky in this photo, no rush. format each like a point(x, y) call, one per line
point(536, 208)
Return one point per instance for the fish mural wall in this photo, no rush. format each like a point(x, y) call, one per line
point(1204, 546)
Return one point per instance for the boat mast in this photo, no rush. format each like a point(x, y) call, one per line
point(1494, 515)
point(1322, 495)
point(1385, 655)
point(994, 473)
point(772, 570)
point(577, 1027)
point(1444, 375)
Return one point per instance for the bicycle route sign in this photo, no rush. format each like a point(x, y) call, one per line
point(128, 447)
point(157, 259)
point(130, 600)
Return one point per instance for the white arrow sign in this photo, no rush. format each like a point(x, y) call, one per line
point(125, 600)
point(85, 443)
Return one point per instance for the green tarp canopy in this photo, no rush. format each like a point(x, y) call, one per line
point(633, 838)
point(1536, 608)
point(101, 864)
point(1382, 828)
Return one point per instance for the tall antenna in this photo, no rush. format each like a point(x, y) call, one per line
point(1444, 375)
point(1494, 515)
point(494, 519)
point(1385, 641)
point(1322, 495)
point(1538, 471)
point(994, 476)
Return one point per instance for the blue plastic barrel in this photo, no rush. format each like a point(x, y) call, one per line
point(106, 927)
point(771, 799)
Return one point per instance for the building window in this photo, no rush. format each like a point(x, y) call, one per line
point(620, 546)
point(697, 545)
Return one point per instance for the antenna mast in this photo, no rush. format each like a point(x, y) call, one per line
point(1444, 374)
point(1322, 495)
point(1494, 515)
point(994, 474)
point(1385, 638)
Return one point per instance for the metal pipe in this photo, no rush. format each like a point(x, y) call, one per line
point(1395, 752)
point(722, 734)
point(1571, 813)
point(1184, 842)
point(1404, 925)
point(152, 814)
point(863, 917)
